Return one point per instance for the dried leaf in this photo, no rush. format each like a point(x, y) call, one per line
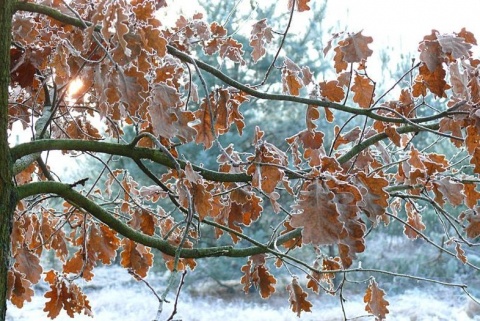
point(19, 289)
point(375, 199)
point(363, 89)
point(256, 274)
point(376, 304)
point(414, 221)
point(332, 91)
point(300, 5)
point(298, 298)
point(450, 191)
point(29, 264)
point(454, 45)
point(473, 218)
point(460, 254)
point(136, 257)
point(64, 295)
point(355, 48)
point(261, 34)
point(471, 194)
point(319, 227)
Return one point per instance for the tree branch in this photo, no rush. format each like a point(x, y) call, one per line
point(77, 199)
point(129, 151)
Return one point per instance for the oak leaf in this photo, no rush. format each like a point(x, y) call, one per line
point(459, 80)
point(375, 199)
point(414, 221)
point(266, 165)
point(328, 264)
point(472, 140)
point(311, 115)
point(298, 298)
point(364, 91)
point(245, 208)
point(332, 91)
point(103, 242)
point(468, 36)
point(301, 5)
point(454, 45)
point(431, 54)
point(66, 295)
point(136, 256)
point(204, 127)
point(261, 34)
point(476, 160)
point(232, 49)
point(256, 274)
point(19, 289)
point(460, 253)
point(319, 227)
point(291, 83)
point(433, 80)
point(375, 302)
point(339, 58)
point(29, 264)
point(471, 194)
point(447, 189)
point(153, 40)
point(53, 238)
point(355, 48)
point(347, 138)
point(473, 218)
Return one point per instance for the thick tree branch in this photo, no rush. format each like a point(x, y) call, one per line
point(378, 137)
point(157, 156)
point(75, 198)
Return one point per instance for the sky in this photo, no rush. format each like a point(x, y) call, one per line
point(393, 24)
point(403, 24)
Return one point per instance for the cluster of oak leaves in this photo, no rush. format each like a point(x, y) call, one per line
point(137, 79)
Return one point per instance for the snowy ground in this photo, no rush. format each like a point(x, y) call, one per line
point(127, 301)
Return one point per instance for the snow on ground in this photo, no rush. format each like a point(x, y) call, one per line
point(125, 300)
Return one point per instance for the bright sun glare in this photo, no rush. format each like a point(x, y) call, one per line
point(74, 87)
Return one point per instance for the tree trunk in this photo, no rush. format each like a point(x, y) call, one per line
point(7, 189)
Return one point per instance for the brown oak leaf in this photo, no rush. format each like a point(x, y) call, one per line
point(414, 220)
point(19, 289)
point(136, 256)
point(473, 219)
point(355, 48)
point(319, 227)
point(28, 263)
point(256, 274)
point(332, 91)
point(298, 298)
point(301, 5)
point(471, 194)
point(375, 302)
point(460, 253)
point(363, 89)
point(261, 34)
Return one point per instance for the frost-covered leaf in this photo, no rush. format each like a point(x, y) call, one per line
point(375, 302)
point(363, 89)
point(298, 298)
point(260, 36)
point(355, 48)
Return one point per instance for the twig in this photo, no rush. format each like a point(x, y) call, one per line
point(280, 47)
point(182, 282)
point(160, 301)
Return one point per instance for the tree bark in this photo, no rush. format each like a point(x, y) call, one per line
point(7, 189)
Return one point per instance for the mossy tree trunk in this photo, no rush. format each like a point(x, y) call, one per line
point(7, 189)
